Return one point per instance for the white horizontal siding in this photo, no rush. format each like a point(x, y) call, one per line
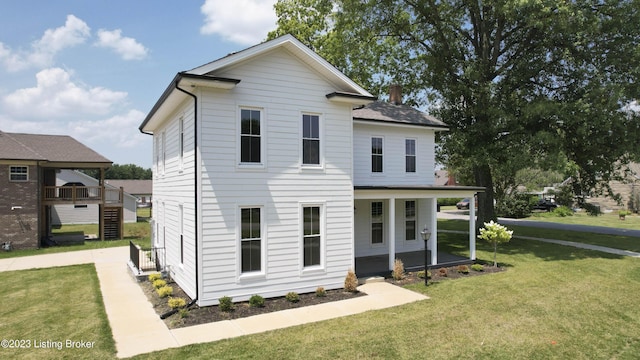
point(283, 88)
point(393, 155)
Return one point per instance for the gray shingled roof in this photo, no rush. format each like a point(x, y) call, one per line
point(402, 114)
point(51, 148)
point(133, 187)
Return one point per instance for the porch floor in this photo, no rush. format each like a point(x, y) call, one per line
point(378, 265)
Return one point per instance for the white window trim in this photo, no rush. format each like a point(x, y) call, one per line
point(18, 166)
point(181, 142)
point(384, 233)
point(262, 165)
point(415, 156)
point(371, 155)
point(321, 138)
point(253, 275)
point(315, 269)
point(415, 219)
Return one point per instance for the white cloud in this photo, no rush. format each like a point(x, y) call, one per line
point(246, 22)
point(119, 130)
point(126, 47)
point(43, 51)
point(56, 95)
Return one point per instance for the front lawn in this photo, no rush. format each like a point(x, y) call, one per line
point(630, 243)
point(582, 218)
point(54, 313)
point(553, 302)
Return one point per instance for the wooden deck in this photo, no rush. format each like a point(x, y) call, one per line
point(53, 195)
point(378, 265)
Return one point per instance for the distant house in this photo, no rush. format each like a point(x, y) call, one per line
point(87, 213)
point(628, 188)
point(141, 189)
point(274, 172)
point(443, 178)
point(28, 190)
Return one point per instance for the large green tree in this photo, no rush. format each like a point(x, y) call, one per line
point(521, 83)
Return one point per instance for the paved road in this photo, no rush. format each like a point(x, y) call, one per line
point(547, 225)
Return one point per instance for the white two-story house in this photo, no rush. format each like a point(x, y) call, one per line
point(273, 172)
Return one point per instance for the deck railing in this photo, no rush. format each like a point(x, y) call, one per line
point(79, 194)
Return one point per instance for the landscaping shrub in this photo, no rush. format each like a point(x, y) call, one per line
point(351, 282)
point(442, 272)
point(226, 304)
point(516, 205)
point(292, 297)
point(398, 270)
point(421, 274)
point(183, 312)
point(159, 283)
point(256, 301)
point(164, 291)
point(562, 211)
point(477, 267)
point(591, 209)
point(176, 302)
point(463, 269)
point(155, 276)
point(448, 201)
point(321, 292)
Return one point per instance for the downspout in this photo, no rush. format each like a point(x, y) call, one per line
point(195, 193)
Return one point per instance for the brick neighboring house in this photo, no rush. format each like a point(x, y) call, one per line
point(28, 165)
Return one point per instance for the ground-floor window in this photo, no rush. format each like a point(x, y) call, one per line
point(312, 235)
point(377, 234)
point(410, 220)
point(250, 239)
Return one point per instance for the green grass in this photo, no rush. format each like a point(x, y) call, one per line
point(609, 220)
point(614, 241)
point(553, 302)
point(56, 305)
point(139, 233)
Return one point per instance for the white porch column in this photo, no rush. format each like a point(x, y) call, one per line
point(433, 220)
point(392, 232)
point(472, 228)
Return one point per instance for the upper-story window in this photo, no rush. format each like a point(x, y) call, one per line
point(310, 139)
point(18, 173)
point(376, 154)
point(250, 136)
point(410, 155)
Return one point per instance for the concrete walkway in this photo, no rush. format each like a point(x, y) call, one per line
point(137, 329)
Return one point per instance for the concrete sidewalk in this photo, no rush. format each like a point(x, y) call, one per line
point(137, 329)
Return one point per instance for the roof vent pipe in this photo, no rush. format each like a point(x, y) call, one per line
point(395, 94)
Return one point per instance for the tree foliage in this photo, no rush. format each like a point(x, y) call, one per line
point(123, 172)
point(521, 84)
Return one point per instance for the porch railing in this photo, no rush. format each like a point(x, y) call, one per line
point(79, 194)
point(144, 259)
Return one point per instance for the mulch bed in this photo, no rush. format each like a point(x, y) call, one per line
point(201, 315)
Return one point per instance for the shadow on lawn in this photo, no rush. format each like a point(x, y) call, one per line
point(457, 244)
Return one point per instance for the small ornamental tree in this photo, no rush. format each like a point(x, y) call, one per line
point(495, 234)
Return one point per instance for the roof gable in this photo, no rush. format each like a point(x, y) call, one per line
point(295, 47)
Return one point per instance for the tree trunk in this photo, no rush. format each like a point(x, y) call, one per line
point(482, 174)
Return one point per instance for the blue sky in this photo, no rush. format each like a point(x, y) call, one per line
point(93, 69)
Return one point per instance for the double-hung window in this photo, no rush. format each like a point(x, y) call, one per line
point(250, 136)
point(250, 240)
point(18, 173)
point(377, 234)
point(410, 155)
point(410, 220)
point(310, 139)
point(376, 154)
point(311, 236)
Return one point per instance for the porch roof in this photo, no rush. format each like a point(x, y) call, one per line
point(414, 191)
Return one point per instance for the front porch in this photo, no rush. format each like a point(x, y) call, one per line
point(378, 265)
